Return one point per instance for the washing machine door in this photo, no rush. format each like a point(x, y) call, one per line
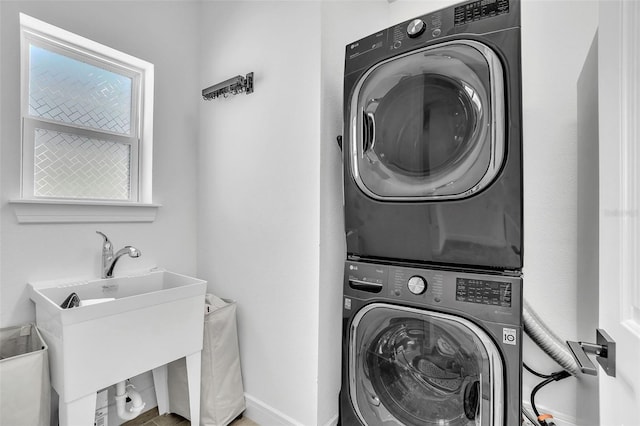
point(413, 367)
point(430, 124)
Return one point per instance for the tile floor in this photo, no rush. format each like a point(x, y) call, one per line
point(151, 418)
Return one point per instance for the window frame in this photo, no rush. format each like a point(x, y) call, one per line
point(140, 139)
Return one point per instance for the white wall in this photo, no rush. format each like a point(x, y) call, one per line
point(587, 228)
point(163, 34)
point(556, 37)
point(259, 195)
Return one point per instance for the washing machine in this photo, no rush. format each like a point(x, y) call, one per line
point(430, 347)
point(432, 141)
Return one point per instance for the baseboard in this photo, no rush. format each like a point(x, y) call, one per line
point(332, 421)
point(264, 414)
point(561, 419)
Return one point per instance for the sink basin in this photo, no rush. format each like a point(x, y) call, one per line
point(152, 319)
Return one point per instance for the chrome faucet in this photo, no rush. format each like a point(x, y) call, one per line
point(109, 259)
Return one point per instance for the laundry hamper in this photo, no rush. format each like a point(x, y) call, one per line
point(25, 390)
point(221, 390)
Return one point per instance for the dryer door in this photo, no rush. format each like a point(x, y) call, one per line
point(414, 367)
point(429, 124)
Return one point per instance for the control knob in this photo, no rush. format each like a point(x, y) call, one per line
point(416, 28)
point(417, 285)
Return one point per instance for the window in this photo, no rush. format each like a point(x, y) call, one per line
point(87, 119)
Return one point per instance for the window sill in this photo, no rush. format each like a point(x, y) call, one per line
point(56, 211)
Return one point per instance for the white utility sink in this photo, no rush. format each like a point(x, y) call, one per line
point(153, 319)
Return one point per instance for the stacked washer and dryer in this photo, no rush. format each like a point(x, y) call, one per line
point(432, 315)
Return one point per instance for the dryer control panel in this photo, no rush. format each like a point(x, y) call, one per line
point(480, 9)
point(473, 17)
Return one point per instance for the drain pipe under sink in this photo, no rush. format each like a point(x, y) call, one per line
point(122, 392)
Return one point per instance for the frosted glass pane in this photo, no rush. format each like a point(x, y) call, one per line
point(72, 166)
point(70, 91)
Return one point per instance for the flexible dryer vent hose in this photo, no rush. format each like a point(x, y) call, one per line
point(548, 341)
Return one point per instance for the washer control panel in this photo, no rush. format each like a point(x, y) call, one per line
point(487, 292)
point(492, 296)
point(393, 281)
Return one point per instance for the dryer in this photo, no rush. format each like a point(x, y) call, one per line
point(430, 347)
point(432, 139)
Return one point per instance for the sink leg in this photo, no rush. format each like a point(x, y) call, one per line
point(82, 411)
point(193, 376)
point(161, 384)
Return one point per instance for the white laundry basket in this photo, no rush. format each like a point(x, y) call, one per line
point(221, 390)
point(25, 386)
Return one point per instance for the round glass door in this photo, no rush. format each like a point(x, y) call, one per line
point(411, 367)
point(429, 124)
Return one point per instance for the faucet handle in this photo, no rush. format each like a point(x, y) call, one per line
point(106, 244)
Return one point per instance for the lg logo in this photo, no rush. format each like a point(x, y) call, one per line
point(509, 336)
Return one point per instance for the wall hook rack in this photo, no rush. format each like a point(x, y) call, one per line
point(232, 86)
